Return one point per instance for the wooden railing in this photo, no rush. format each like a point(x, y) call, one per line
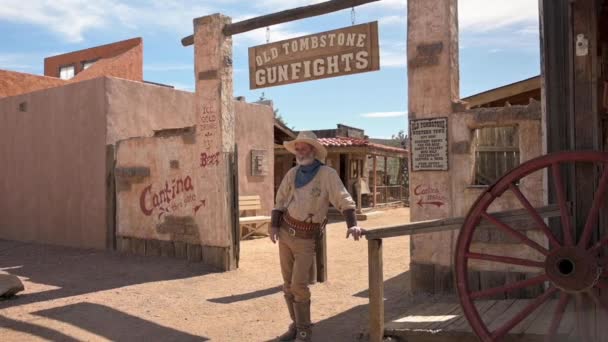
point(374, 247)
point(391, 193)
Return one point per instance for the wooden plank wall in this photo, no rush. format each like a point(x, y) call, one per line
point(497, 152)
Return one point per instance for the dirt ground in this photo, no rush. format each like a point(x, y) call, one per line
point(83, 295)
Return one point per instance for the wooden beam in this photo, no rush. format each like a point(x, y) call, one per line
point(376, 291)
point(375, 179)
point(503, 93)
point(586, 101)
point(285, 16)
point(383, 153)
point(385, 178)
point(432, 226)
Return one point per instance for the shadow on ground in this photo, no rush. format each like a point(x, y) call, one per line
point(339, 328)
point(100, 320)
point(77, 271)
point(247, 296)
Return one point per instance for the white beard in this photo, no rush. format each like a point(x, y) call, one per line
point(303, 161)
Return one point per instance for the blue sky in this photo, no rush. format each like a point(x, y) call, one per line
point(499, 44)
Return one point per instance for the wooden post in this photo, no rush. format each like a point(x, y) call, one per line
point(385, 180)
point(586, 128)
point(359, 165)
point(321, 259)
point(214, 108)
point(375, 178)
point(376, 291)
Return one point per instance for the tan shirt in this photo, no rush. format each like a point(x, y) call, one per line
point(312, 200)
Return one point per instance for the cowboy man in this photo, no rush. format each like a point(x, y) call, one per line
point(300, 213)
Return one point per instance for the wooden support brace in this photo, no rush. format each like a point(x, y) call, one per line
point(285, 16)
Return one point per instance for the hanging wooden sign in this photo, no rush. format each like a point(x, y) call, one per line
point(346, 51)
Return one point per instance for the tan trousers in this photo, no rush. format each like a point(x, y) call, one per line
point(298, 261)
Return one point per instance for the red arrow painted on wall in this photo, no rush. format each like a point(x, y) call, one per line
point(437, 203)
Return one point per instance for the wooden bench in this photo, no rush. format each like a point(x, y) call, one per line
point(251, 224)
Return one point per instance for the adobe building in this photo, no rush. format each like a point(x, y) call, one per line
point(471, 149)
point(104, 160)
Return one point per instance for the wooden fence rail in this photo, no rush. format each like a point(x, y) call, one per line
point(374, 247)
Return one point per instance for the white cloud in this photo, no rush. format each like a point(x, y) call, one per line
point(72, 19)
point(531, 30)
point(24, 62)
point(258, 37)
point(474, 15)
point(393, 54)
point(67, 18)
point(390, 4)
point(394, 20)
point(384, 114)
point(483, 15)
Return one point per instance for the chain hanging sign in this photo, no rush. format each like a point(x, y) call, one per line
point(340, 52)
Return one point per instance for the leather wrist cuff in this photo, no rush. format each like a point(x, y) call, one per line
point(275, 218)
point(351, 217)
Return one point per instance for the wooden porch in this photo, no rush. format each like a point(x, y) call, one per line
point(445, 321)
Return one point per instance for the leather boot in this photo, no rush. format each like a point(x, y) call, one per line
point(303, 325)
point(290, 334)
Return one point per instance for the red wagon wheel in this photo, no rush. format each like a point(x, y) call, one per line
point(567, 267)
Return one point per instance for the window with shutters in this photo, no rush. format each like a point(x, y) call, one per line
point(496, 152)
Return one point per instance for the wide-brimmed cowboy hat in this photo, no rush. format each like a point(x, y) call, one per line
point(311, 139)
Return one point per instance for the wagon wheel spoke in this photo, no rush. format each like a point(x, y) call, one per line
point(510, 287)
point(593, 217)
point(518, 235)
point(562, 260)
point(500, 332)
point(598, 245)
point(535, 216)
point(581, 327)
point(563, 207)
point(601, 284)
point(598, 301)
point(564, 298)
point(505, 260)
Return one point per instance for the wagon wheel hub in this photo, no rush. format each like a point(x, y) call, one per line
point(572, 269)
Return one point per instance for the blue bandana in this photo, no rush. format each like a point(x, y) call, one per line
point(306, 173)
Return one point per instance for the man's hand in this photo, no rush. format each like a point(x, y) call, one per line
point(356, 232)
point(274, 234)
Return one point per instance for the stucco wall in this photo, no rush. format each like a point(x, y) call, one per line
point(148, 201)
point(15, 83)
point(463, 195)
point(53, 166)
point(255, 131)
point(137, 109)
